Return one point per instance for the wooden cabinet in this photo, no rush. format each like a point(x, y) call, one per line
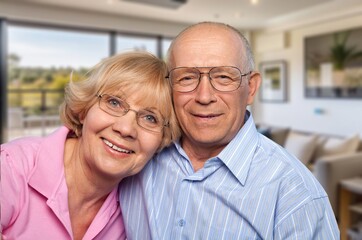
point(350, 191)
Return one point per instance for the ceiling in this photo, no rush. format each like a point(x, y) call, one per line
point(238, 13)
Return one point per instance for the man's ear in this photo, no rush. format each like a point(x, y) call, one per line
point(254, 84)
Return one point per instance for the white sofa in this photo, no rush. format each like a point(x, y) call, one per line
point(330, 158)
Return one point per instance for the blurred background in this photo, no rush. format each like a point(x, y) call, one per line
point(43, 41)
point(309, 54)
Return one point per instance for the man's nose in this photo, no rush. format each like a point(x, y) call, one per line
point(205, 92)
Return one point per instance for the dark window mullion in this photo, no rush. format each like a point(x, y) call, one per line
point(3, 80)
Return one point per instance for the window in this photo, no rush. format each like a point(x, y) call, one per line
point(40, 61)
point(166, 42)
point(131, 43)
point(3, 86)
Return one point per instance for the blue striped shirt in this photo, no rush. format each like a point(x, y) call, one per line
point(253, 189)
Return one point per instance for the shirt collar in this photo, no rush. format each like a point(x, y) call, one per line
point(49, 164)
point(238, 154)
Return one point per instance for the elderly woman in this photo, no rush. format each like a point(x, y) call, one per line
point(64, 186)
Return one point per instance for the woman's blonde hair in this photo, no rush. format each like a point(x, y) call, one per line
point(131, 73)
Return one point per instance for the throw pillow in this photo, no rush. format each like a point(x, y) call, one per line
point(264, 131)
point(301, 145)
point(279, 135)
point(334, 146)
point(321, 140)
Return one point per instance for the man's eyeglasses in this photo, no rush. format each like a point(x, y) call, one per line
point(223, 79)
point(149, 119)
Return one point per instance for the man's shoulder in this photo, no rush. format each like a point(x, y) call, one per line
point(290, 170)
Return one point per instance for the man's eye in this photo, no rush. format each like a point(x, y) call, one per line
point(223, 76)
point(187, 79)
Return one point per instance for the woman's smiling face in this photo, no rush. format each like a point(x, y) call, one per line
point(116, 147)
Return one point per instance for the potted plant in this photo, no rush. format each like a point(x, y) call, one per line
point(341, 55)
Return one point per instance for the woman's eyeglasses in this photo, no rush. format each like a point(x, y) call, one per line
point(149, 119)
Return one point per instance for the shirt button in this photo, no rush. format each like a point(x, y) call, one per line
point(181, 223)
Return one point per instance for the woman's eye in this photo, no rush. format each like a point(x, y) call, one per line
point(114, 103)
point(151, 118)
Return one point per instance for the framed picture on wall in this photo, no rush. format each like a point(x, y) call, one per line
point(333, 65)
point(274, 82)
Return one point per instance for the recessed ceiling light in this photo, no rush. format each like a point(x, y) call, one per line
point(254, 2)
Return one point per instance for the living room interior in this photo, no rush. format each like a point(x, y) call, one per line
point(318, 120)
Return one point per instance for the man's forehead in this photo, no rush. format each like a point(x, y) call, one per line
point(206, 55)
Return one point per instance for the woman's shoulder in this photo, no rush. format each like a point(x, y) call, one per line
point(26, 150)
point(20, 153)
point(24, 145)
point(30, 144)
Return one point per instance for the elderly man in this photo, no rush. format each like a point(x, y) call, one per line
point(222, 179)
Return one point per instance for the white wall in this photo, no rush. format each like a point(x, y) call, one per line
point(67, 17)
point(34, 13)
point(340, 116)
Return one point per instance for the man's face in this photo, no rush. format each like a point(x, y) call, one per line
point(210, 118)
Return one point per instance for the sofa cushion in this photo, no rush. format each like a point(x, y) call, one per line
point(321, 140)
point(279, 135)
point(335, 146)
point(264, 131)
point(301, 145)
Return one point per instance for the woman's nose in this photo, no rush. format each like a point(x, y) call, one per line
point(127, 124)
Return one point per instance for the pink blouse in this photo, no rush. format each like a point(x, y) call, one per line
point(34, 194)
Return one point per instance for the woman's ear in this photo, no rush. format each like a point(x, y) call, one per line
point(254, 84)
point(81, 117)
